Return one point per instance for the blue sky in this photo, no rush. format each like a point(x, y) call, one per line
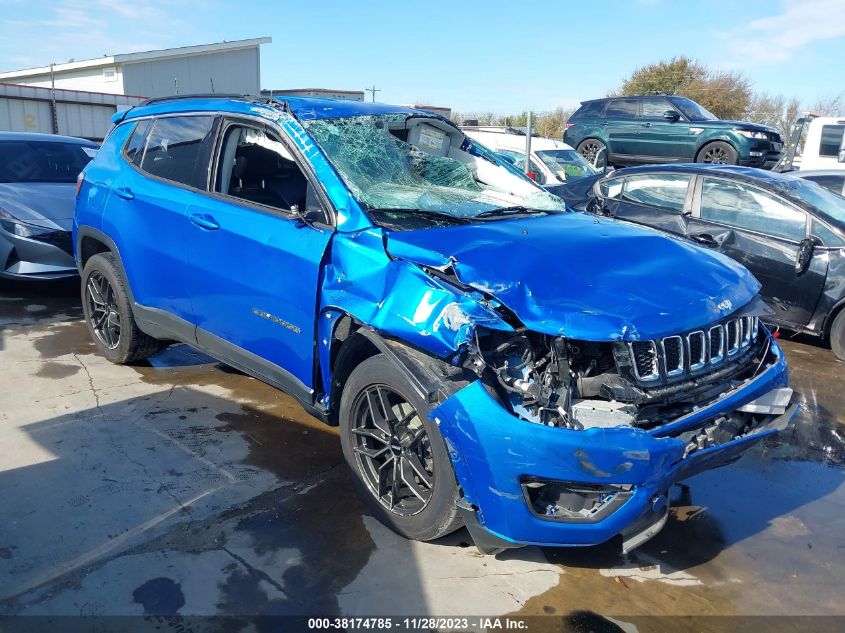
point(499, 56)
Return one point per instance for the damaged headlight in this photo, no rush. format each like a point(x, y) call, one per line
point(571, 502)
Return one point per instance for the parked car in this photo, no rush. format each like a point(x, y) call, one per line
point(37, 193)
point(491, 358)
point(789, 232)
point(668, 129)
point(831, 179)
point(554, 165)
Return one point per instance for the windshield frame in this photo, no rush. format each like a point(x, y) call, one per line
point(681, 103)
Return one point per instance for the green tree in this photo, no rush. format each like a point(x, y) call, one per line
point(726, 94)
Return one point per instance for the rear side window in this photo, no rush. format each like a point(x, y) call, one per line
point(828, 236)
point(590, 110)
point(176, 149)
point(664, 191)
point(622, 109)
point(831, 140)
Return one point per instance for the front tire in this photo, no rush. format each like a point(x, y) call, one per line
point(837, 336)
point(398, 458)
point(108, 313)
point(717, 153)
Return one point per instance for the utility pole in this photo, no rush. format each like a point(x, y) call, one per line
point(373, 90)
point(528, 143)
point(53, 111)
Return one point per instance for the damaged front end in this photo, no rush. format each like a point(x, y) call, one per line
point(565, 442)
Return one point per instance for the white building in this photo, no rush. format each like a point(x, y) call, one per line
point(224, 67)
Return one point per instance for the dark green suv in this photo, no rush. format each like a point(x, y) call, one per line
point(667, 129)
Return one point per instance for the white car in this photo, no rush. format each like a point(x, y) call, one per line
point(552, 162)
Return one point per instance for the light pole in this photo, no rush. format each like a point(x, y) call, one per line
point(373, 90)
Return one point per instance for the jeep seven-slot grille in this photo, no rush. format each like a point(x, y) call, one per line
point(692, 352)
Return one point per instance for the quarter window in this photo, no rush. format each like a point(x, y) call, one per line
point(137, 142)
point(831, 140)
point(622, 109)
point(831, 183)
point(664, 191)
point(175, 149)
point(746, 207)
point(828, 236)
point(611, 188)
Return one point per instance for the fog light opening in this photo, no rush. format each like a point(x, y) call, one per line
point(573, 502)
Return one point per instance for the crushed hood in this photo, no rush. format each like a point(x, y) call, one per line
point(583, 277)
point(46, 204)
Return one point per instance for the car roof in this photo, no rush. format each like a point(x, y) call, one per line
point(626, 97)
point(516, 141)
point(37, 136)
point(300, 107)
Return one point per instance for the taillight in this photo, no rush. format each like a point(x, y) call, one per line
point(79, 180)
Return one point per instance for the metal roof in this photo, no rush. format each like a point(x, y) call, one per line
point(142, 56)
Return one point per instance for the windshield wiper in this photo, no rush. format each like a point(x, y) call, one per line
point(436, 215)
point(514, 210)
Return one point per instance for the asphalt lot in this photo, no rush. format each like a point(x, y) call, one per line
point(182, 487)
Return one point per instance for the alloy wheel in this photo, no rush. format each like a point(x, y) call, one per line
point(716, 155)
point(589, 151)
point(392, 450)
point(103, 310)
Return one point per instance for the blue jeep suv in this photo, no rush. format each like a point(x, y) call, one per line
point(493, 359)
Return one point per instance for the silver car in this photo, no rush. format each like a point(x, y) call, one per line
point(37, 194)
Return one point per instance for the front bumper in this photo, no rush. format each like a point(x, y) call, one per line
point(763, 154)
point(44, 257)
point(493, 453)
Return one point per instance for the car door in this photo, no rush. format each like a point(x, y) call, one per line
point(763, 232)
point(255, 262)
point(622, 125)
point(659, 200)
point(659, 137)
point(167, 170)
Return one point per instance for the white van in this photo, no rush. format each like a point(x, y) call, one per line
point(816, 142)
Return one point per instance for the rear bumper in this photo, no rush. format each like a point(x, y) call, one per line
point(33, 258)
point(493, 454)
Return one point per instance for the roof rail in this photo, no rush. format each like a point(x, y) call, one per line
point(213, 95)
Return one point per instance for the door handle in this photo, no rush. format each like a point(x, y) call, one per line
point(705, 239)
point(646, 124)
point(205, 221)
point(125, 193)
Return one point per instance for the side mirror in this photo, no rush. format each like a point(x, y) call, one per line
point(806, 249)
point(671, 115)
point(600, 161)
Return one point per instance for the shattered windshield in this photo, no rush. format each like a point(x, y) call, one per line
point(402, 167)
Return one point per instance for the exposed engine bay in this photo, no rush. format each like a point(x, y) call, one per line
point(581, 384)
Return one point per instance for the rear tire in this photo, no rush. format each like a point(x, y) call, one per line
point(108, 313)
point(589, 148)
point(398, 459)
point(717, 153)
point(837, 335)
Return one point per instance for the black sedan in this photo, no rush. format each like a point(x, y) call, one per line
point(789, 232)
